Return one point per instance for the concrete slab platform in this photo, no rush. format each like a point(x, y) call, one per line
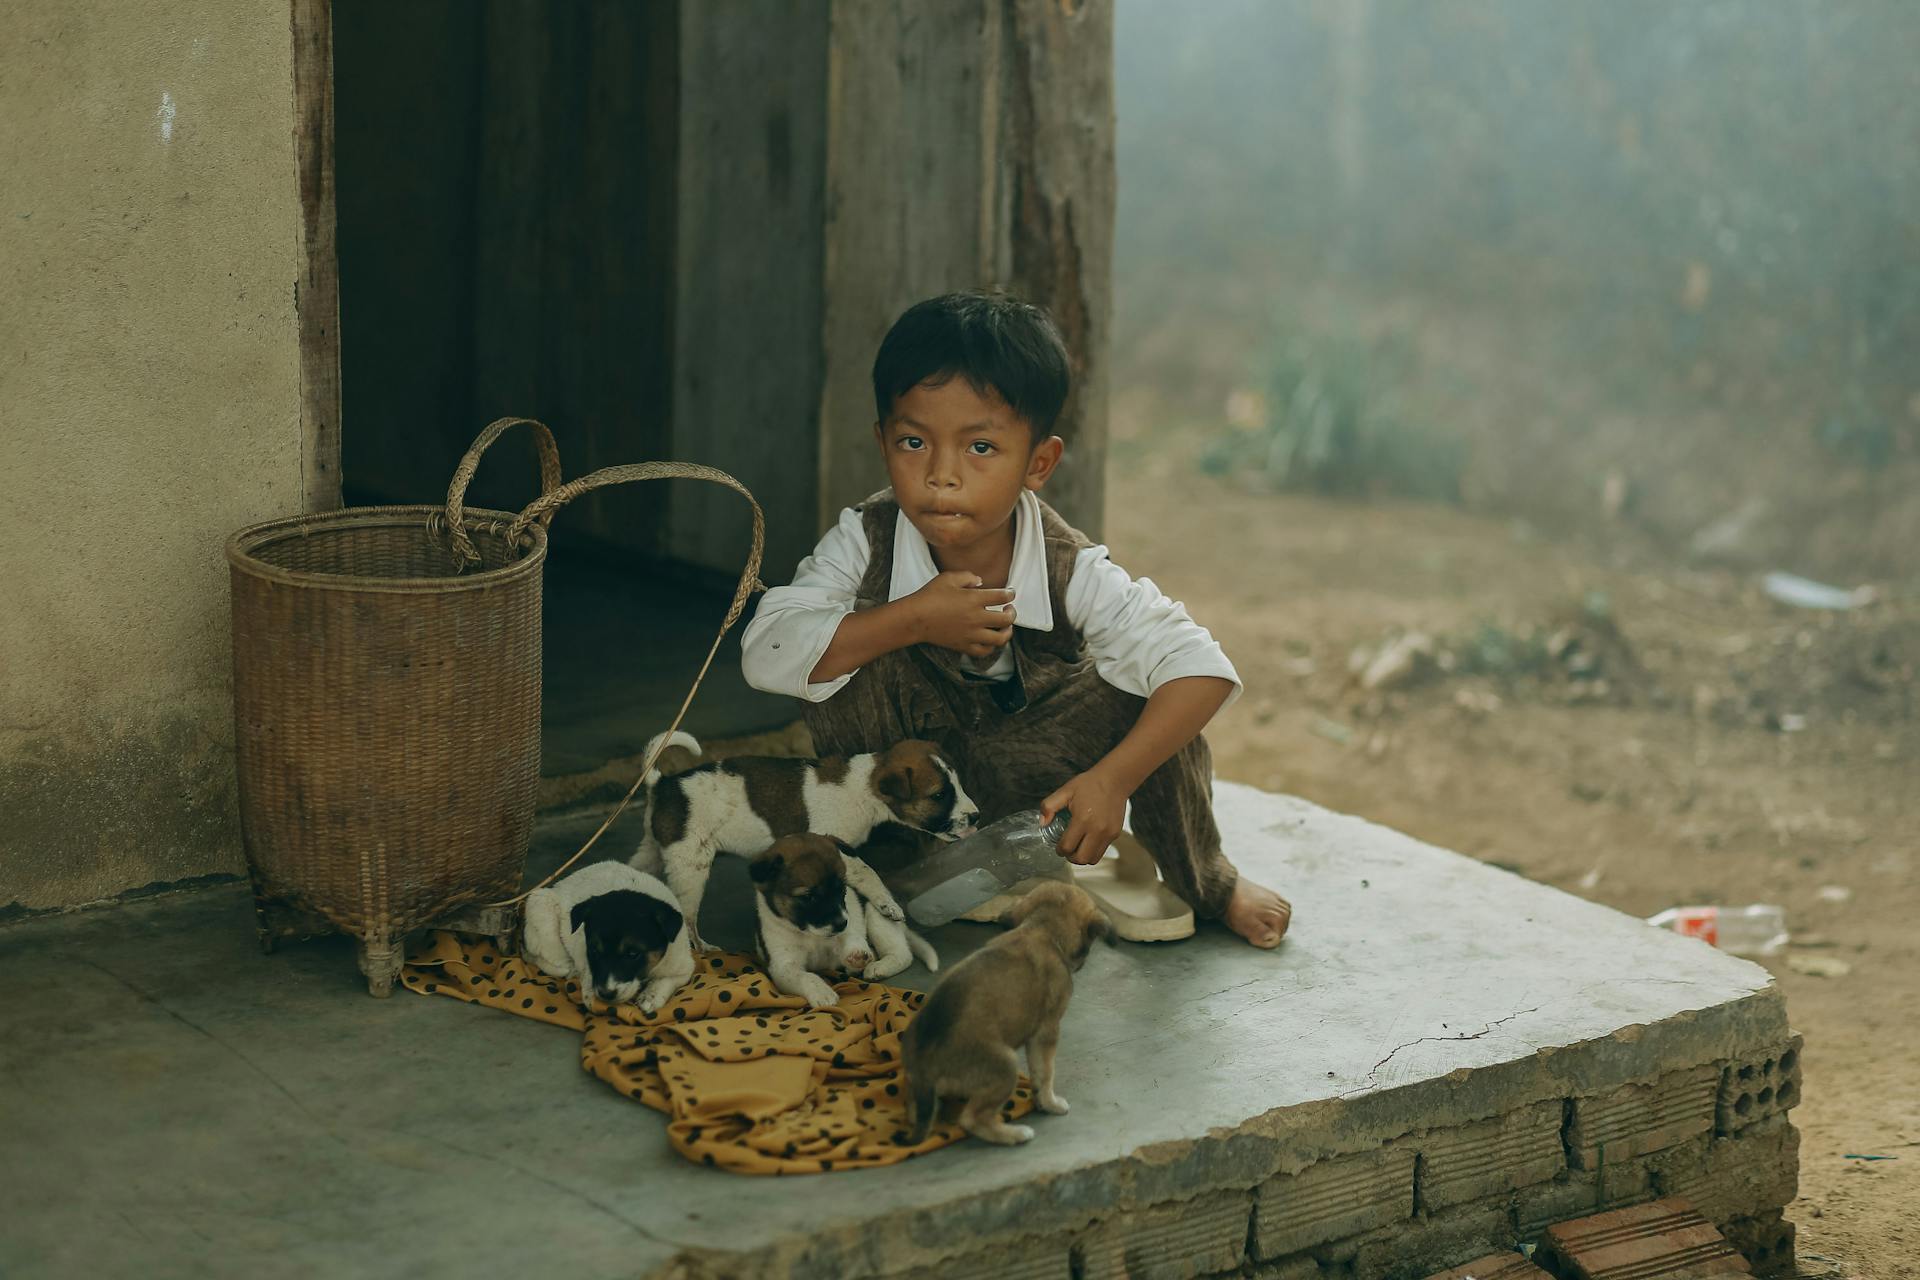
point(1382, 1097)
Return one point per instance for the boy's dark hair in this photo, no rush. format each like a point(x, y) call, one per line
point(996, 342)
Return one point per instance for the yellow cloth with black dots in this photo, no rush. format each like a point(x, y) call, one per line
point(751, 1079)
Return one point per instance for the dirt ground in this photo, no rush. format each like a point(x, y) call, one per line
point(1638, 733)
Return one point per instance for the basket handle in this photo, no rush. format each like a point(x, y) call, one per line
point(543, 507)
point(463, 549)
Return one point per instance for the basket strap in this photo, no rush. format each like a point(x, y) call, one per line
point(543, 508)
point(463, 549)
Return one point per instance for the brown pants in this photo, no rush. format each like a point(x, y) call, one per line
point(1011, 759)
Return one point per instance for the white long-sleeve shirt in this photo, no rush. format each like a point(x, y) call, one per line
point(1138, 638)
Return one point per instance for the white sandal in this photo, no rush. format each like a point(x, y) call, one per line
point(1127, 886)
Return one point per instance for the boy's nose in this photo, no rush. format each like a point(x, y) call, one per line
point(941, 473)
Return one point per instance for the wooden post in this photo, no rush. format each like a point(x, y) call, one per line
point(317, 292)
point(1056, 179)
point(969, 145)
point(909, 152)
point(746, 275)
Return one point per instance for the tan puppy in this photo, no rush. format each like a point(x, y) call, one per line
point(1009, 994)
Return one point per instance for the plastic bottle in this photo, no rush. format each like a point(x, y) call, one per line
point(959, 876)
point(1758, 930)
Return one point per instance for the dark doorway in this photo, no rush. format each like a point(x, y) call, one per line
point(505, 190)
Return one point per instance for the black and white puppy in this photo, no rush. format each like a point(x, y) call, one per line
point(741, 806)
point(811, 921)
point(617, 931)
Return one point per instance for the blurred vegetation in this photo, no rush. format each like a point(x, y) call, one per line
point(1329, 421)
point(1666, 252)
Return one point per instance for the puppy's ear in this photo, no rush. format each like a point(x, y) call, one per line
point(1013, 915)
point(765, 867)
point(1100, 928)
point(846, 850)
point(896, 783)
point(659, 923)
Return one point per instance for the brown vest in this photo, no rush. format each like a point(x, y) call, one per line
point(1042, 659)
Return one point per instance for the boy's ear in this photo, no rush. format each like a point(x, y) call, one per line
point(1046, 456)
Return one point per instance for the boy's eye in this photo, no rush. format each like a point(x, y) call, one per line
point(981, 448)
point(909, 442)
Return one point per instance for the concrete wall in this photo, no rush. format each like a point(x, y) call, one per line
point(149, 403)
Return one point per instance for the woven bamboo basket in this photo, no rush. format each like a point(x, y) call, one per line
point(386, 701)
point(387, 714)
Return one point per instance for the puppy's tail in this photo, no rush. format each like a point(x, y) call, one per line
point(923, 1104)
point(678, 739)
point(923, 950)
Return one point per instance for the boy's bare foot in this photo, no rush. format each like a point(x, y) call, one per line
point(1258, 914)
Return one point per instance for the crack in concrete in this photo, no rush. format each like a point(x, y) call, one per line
point(191, 1025)
point(1424, 1039)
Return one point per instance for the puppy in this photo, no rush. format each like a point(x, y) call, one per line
point(615, 930)
point(743, 805)
point(811, 921)
point(1012, 992)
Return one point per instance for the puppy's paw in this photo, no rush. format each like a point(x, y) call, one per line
point(1011, 1135)
point(1053, 1104)
point(856, 960)
point(890, 909)
point(881, 970)
point(817, 993)
point(699, 944)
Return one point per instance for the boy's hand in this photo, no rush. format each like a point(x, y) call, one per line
point(1099, 806)
point(955, 612)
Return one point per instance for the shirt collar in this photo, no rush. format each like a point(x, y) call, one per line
point(913, 566)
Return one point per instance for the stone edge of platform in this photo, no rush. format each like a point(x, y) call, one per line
point(1397, 1183)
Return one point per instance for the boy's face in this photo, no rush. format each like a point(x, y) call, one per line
point(959, 461)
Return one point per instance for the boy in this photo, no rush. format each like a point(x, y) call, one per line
point(959, 608)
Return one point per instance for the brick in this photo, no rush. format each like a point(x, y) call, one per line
point(1300, 1266)
point(1581, 1193)
point(1643, 1118)
point(1759, 1088)
point(1495, 1266)
point(1337, 1197)
point(1503, 1154)
point(1047, 1259)
point(1766, 1241)
point(1665, 1239)
point(1427, 1241)
point(1178, 1241)
point(1731, 1177)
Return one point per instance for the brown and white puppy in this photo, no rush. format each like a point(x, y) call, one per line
point(1009, 994)
point(743, 805)
point(810, 921)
